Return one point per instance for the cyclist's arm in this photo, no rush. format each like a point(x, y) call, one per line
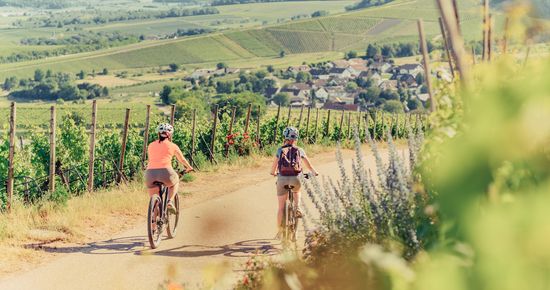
point(274, 166)
point(308, 164)
point(182, 160)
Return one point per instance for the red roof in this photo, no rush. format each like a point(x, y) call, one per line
point(340, 107)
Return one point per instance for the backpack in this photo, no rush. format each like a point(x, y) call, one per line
point(290, 161)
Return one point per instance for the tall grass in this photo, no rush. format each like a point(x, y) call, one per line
point(361, 208)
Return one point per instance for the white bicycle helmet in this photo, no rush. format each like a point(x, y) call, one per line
point(165, 128)
point(291, 133)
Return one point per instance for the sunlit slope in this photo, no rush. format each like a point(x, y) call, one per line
point(342, 32)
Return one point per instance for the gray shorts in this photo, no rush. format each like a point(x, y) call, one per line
point(287, 180)
point(168, 176)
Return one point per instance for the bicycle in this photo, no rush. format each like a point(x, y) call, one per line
point(290, 219)
point(159, 217)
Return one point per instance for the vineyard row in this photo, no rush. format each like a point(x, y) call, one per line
point(74, 156)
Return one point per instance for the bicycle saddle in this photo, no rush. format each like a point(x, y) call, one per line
point(158, 183)
point(289, 186)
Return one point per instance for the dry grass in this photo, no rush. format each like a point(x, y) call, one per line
point(114, 81)
point(26, 229)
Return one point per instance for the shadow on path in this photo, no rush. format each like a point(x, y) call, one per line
point(248, 248)
point(138, 245)
point(108, 247)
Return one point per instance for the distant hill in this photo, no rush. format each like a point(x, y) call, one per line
point(47, 4)
point(338, 33)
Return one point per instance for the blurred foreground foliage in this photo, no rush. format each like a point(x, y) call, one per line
point(485, 164)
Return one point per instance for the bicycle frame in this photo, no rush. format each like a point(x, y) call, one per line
point(163, 194)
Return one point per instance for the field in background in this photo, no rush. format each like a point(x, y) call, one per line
point(231, 16)
point(337, 33)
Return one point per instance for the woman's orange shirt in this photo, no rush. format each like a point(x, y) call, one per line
point(161, 154)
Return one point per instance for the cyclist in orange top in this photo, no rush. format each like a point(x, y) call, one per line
point(159, 167)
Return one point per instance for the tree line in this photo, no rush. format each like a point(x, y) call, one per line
point(98, 39)
point(101, 17)
point(50, 4)
point(82, 42)
point(232, 2)
point(51, 86)
point(367, 3)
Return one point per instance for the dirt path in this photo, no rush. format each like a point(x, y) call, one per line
point(236, 222)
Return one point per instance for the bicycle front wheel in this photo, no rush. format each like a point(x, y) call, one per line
point(154, 221)
point(173, 215)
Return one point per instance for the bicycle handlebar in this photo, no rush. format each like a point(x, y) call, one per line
point(305, 175)
point(184, 172)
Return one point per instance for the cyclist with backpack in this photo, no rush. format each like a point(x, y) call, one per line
point(287, 166)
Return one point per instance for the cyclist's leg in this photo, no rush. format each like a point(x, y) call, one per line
point(295, 181)
point(281, 196)
point(149, 179)
point(171, 180)
point(280, 212)
point(175, 180)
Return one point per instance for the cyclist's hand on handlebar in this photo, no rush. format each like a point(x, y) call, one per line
point(190, 169)
point(273, 173)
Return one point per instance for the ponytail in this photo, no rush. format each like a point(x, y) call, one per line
point(162, 138)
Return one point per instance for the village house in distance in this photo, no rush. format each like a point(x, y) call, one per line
point(346, 84)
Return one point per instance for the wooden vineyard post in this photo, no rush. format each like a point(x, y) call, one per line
point(328, 124)
point(306, 135)
point(383, 137)
point(316, 122)
point(247, 123)
point(426, 63)
point(505, 38)
point(366, 119)
point(230, 130)
point(375, 125)
point(340, 129)
point(473, 55)
point(123, 146)
point(485, 30)
point(10, 156)
point(52, 149)
point(104, 173)
point(359, 115)
point(21, 144)
point(172, 114)
point(288, 116)
point(193, 138)
point(146, 136)
point(396, 125)
point(214, 127)
point(92, 148)
point(457, 17)
point(276, 124)
point(490, 38)
point(456, 42)
point(258, 138)
point(349, 125)
point(446, 45)
point(300, 118)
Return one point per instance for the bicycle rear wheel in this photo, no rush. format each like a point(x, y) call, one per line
point(294, 227)
point(287, 223)
point(154, 221)
point(173, 218)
